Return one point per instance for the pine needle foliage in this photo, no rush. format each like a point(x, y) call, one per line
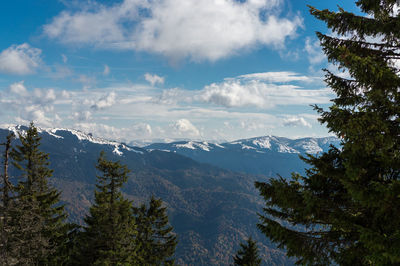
point(108, 237)
point(346, 209)
point(155, 240)
point(37, 218)
point(248, 254)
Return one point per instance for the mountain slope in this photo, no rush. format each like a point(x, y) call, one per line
point(267, 155)
point(211, 209)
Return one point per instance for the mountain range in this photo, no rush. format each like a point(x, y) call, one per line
point(207, 187)
point(267, 155)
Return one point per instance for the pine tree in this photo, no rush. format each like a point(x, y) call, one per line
point(155, 239)
point(108, 237)
point(5, 206)
point(248, 254)
point(348, 203)
point(37, 217)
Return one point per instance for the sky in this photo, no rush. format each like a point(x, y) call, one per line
point(215, 70)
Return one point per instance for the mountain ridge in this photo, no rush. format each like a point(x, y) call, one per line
point(211, 209)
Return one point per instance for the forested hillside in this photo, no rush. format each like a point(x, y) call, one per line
point(212, 210)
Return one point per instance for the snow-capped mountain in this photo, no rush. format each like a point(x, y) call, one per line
point(206, 204)
point(260, 145)
point(64, 133)
point(267, 155)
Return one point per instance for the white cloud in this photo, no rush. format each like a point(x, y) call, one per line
point(18, 88)
point(60, 72)
point(151, 113)
point(86, 81)
point(31, 105)
point(142, 130)
point(241, 93)
point(198, 30)
point(64, 58)
point(106, 70)
point(314, 52)
point(154, 79)
point(185, 128)
point(82, 116)
point(295, 121)
point(277, 77)
point(105, 101)
point(20, 59)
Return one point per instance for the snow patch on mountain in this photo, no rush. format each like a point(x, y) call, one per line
point(193, 145)
point(262, 143)
point(117, 151)
point(283, 148)
point(247, 147)
point(259, 144)
point(55, 132)
point(188, 145)
point(309, 146)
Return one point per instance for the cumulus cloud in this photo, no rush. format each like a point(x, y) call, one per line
point(105, 101)
point(142, 130)
point(241, 93)
point(31, 105)
point(20, 59)
point(18, 88)
point(154, 79)
point(295, 121)
point(185, 128)
point(199, 30)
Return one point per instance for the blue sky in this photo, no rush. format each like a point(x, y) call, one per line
point(164, 69)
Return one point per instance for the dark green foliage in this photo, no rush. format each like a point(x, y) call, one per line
point(349, 200)
point(36, 217)
point(108, 237)
point(155, 239)
point(5, 206)
point(248, 254)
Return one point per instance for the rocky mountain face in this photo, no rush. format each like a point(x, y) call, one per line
point(268, 155)
point(211, 209)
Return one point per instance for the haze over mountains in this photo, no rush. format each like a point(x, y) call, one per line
point(211, 209)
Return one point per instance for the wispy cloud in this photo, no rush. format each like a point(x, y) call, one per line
point(241, 106)
point(106, 70)
point(314, 51)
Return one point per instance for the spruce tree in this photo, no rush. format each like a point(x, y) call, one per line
point(108, 237)
point(155, 240)
point(346, 209)
point(247, 255)
point(37, 218)
point(5, 206)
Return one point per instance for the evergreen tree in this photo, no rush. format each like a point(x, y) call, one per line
point(247, 255)
point(349, 200)
point(37, 217)
point(5, 206)
point(108, 238)
point(155, 240)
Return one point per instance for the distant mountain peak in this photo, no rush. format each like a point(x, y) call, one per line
point(257, 144)
point(81, 136)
